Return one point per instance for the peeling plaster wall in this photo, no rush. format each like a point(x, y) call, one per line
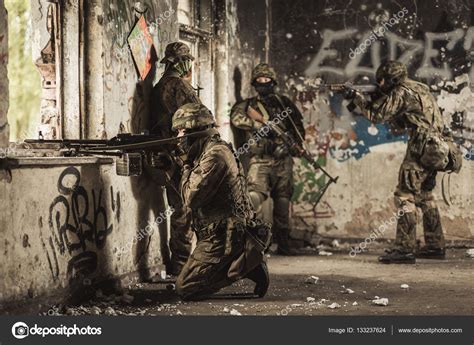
point(125, 101)
point(317, 41)
point(79, 226)
point(4, 129)
point(245, 50)
point(64, 226)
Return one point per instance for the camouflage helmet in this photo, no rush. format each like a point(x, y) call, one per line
point(177, 51)
point(394, 72)
point(263, 70)
point(192, 116)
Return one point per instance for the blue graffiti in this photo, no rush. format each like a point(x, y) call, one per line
point(365, 140)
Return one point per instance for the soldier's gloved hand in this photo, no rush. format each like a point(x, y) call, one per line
point(161, 160)
point(349, 93)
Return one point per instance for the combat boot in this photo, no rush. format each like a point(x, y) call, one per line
point(397, 257)
point(284, 246)
point(259, 275)
point(431, 253)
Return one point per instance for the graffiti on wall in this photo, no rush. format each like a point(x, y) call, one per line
point(442, 60)
point(79, 222)
point(120, 76)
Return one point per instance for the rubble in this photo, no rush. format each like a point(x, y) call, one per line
point(348, 291)
point(380, 301)
point(310, 299)
point(95, 310)
point(404, 286)
point(235, 312)
point(334, 305)
point(312, 280)
point(110, 311)
point(355, 303)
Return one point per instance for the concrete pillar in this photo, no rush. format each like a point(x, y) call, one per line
point(4, 129)
point(222, 68)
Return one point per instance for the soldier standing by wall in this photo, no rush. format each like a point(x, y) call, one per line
point(271, 164)
point(213, 187)
point(408, 106)
point(172, 91)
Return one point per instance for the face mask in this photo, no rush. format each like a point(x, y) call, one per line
point(183, 67)
point(264, 88)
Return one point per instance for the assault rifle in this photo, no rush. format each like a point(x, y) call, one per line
point(339, 88)
point(343, 88)
point(130, 149)
point(294, 146)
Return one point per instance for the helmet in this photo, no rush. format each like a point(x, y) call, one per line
point(192, 116)
point(263, 70)
point(393, 72)
point(176, 52)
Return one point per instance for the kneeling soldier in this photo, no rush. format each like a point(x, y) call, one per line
point(213, 187)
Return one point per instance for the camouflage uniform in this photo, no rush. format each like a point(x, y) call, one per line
point(270, 172)
point(213, 187)
point(171, 92)
point(409, 106)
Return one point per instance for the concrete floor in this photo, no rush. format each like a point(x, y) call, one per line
point(436, 287)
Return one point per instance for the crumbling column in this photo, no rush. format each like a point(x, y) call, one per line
point(4, 129)
point(46, 64)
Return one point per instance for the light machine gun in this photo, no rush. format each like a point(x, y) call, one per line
point(130, 149)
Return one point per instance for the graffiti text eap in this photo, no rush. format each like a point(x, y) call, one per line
point(390, 46)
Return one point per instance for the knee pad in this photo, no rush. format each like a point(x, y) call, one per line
point(405, 203)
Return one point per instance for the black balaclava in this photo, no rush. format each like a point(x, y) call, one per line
point(264, 89)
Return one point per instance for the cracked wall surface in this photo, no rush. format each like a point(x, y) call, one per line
point(4, 129)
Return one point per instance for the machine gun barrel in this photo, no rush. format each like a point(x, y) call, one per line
point(363, 88)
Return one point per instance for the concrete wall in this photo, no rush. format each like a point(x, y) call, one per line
point(72, 223)
point(312, 42)
point(4, 132)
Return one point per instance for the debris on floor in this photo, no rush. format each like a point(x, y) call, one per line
point(470, 253)
point(380, 301)
point(312, 280)
point(404, 286)
point(334, 305)
point(324, 253)
point(235, 312)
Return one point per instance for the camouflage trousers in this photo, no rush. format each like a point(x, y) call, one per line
point(181, 235)
point(415, 190)
point(207, 269)
point(270, 177)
